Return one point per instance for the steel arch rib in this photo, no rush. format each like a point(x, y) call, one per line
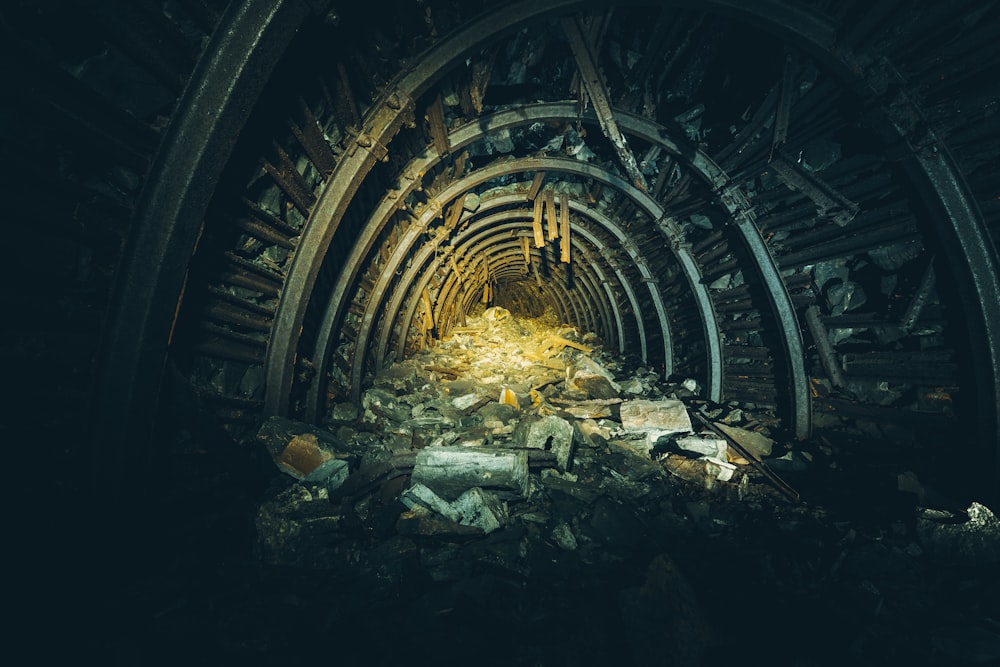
point(483, 229)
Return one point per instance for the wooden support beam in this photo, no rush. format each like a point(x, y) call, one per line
point(564, 245)
point(454, 267)
point(439, 131)
point(347, 95)
point(425, 296)
point(537, 225)
point(454, 214)
point(550, 214)
point(536, 185)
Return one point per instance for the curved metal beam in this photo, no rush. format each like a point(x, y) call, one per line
point(489, 202)
point(485, 230)
point(495, 169)
point(212, 111)
point(482, 232)
point(383, 211)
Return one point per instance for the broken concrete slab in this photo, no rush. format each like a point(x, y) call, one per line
point(450, 471)
point(713, 447)
point(547, 433)
point(590, 379)
point(591, 434)
point(756, 443)
point(655, 419)
point(420, 495)
point(482, 509)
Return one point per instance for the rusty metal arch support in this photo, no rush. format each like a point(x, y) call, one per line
point(420, 260)
point(384, 210)
point(456, 188)
point(593, 320)
point(482, 235)
point(582, 209)
point(216, 103)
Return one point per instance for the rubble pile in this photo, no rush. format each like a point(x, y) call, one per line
point(515, 490)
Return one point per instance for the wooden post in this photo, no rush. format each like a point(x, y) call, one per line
point(564, 220)
point(537, 225)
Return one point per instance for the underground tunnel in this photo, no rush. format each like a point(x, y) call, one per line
point(298, 266)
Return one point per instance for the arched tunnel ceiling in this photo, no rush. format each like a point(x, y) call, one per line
point(771, 200)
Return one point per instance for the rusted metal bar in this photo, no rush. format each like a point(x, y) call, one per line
point(347, 95)
point(310, 136)
point(598, 92)
point(228, 313)
point(850, 245)
point(827, 355)
point(919, 300)
point(783, 112)
point(829, 201)
point(291, 182)
point(267, 228)
point(757, 464)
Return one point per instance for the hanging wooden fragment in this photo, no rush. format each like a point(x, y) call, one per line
point(454, 215)
point(428, 309)
point(537, 225)
point(454, 267)
point(536, 185)
point(550, 213)
point(564, 220)
point(438, 129)
point(508, 397)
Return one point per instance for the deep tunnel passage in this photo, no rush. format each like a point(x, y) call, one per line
point(249, 209)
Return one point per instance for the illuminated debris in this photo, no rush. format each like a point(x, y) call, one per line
point(757, 444)
point(591, 434)
point(304, 452)
point(655, 418)
point(714, 447)
point(547, 433)
point(590, 379)
point(450, 471)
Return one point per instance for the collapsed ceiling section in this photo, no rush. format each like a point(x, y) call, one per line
point(794, 205)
